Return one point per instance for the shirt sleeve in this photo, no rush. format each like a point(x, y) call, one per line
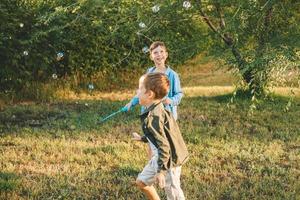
point(177, 92)
point(156, 127)
point(134, 101)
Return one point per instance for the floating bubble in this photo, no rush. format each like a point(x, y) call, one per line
point(186, 4)
point(90, 86)
point(72, 127)
point(59, 56)
point(21, 25)
point(25, 53)
point(155, 8)
point(145, 49)
point(54, 76)
point(210, 7)
point(142, 25)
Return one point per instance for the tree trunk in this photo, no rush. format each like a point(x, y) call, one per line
point(229, 41)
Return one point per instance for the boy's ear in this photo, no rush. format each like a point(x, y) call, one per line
point(151, 94)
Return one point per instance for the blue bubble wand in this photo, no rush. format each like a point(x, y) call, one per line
point(124, 109)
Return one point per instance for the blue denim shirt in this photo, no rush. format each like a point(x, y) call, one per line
point(175, 93)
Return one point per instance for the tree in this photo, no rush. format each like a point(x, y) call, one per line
point(82, 38)
point(45, 39)
point(255, 32)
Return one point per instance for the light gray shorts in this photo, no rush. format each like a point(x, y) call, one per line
point(172, 187)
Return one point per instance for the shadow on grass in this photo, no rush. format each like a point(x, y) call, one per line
point(9, 182)
point(127, 171)
point(111, 184)
point(64, 116)
point(217, 117)
point(199, 116)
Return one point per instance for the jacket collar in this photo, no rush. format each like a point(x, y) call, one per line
point(150, 108)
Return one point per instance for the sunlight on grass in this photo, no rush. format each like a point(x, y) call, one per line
point(232, 155)
point(196, 91)
point(207, 91)
point(112, 96)
point(287, 91)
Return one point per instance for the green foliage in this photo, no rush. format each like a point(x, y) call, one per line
point(85, 38)
point(84, 41)
point(255, 36)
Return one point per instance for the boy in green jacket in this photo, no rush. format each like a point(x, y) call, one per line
point(160, 129)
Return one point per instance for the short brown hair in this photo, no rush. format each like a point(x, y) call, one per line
point(157, 44)
point(157, 83)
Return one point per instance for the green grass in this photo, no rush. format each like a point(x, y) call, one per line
point(205, 71)
point(58, 151)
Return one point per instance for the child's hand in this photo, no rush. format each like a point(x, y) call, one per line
point(167, 101)
point(128, 106)
point(160, 177)
point(136, 136)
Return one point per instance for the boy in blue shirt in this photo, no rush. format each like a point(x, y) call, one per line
point(162, 133)
point(159, 55)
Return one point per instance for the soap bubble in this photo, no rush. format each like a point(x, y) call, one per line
point(142, 25)
point(186, 4)
point(145, 49)
point(90, 86)
point(59, 56)
point(155, 8)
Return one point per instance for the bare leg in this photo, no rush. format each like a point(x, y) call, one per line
point(149, 191)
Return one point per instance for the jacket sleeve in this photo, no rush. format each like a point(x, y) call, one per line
point(177, 92)
point(156, 127)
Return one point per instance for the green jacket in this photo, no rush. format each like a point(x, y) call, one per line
point(162, 130)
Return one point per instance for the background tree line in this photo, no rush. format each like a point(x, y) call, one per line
point(45, 40)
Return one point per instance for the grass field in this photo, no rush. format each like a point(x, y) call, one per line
point(58, 151)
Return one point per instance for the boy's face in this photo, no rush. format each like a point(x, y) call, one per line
point(145, 97)
point(159, 55)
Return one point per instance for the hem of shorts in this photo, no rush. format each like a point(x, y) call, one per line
point(145, 182)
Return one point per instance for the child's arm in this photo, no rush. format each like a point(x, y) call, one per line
point(133, 102)
point(176, 92)
point(156, 127)
point(137, 137)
